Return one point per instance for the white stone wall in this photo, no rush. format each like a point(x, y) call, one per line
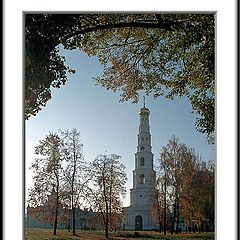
point(144, 178)
point(130, 217)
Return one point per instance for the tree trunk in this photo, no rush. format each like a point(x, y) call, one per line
point(174, 217)
point(72, 183)
point(159, 218)
point(159, 226)
point(55, 222)
point(110, 209)
point(56, 211)
point(177, 226)
point(106, 225)
point(56, 215)
point(165, 207)
point(73, 221)
point(165, 220)
point(106, 207)
point(73, 215)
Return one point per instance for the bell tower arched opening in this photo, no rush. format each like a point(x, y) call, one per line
point(138, 223)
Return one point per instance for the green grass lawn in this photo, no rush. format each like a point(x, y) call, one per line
point(46, 234)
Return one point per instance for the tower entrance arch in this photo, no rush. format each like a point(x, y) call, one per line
point(138, 222)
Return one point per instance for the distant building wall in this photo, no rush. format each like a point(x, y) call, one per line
point(84, 219)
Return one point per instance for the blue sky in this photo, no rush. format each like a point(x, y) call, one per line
point(107, 125)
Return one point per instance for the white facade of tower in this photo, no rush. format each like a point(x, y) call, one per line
point(137, 216)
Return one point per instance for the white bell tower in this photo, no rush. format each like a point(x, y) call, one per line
point(137, 216)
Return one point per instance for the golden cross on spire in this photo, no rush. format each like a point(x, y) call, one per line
point(144, 101)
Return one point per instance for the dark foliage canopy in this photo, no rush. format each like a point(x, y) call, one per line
point(164, 55)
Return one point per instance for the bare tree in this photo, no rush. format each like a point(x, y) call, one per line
point(106, 188)
point(73, 171)
point(48, 175)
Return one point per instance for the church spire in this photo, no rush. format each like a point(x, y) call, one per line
point(138, 215)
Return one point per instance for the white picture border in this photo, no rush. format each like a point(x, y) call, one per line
point(226, 99)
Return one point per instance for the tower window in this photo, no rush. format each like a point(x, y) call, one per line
point(142, 161)
point(142, 179)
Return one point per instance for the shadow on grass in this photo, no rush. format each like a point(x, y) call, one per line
point(135, 235)
point(140, 235)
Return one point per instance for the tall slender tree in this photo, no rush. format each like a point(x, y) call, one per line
point(48, 175)
point(74, 167)
point(107, 187)
point(160, 205)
